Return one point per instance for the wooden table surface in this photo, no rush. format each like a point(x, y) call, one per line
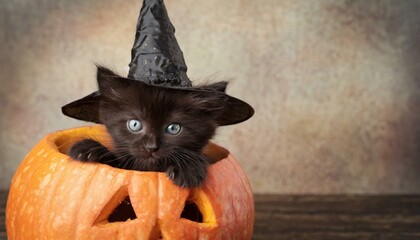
point(325, 217)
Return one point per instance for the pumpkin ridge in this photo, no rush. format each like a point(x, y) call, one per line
point(27, 189)
point(244, 182)
point(83, 196)
point(50, 193)
point(250, 216)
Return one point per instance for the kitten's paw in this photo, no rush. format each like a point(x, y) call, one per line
point(186, 178)
point(87, 151)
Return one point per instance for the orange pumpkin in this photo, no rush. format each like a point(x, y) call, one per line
point(55, 197)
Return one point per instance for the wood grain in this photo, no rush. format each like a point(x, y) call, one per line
point(325, 217)
point(3, 199)
point(337, 217)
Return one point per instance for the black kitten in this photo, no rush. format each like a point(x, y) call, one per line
point(154, 129)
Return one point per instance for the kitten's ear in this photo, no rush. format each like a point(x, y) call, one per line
point(211, 102)
point(224, 109)
point(219, 86)
point(109, 83)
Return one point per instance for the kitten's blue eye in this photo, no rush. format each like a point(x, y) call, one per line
point(134, 125)
point(173, 128)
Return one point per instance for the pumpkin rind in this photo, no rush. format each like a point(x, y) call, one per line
point(55, 197)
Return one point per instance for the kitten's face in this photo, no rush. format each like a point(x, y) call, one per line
point(150, 125)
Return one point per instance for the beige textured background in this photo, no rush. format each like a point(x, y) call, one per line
point(335, 84)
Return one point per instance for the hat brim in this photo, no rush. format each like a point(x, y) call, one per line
point(233, 110)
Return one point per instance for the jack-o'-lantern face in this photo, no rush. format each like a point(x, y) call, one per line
point(55, 197)
point(166, 211)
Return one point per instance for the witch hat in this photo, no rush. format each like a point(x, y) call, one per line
point(157, 61)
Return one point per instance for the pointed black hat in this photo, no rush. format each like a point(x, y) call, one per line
point(157, 60)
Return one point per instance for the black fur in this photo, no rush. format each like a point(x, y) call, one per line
point(180, 156)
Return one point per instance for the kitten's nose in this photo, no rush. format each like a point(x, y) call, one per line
point(151, 148)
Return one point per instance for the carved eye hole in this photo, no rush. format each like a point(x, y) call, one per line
point(134, 125)
point(198, 209)
point(173, 129)
point(123, 212)
point(192, 212)
point(118, 209)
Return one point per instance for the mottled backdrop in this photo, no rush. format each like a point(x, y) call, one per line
point(335, 84)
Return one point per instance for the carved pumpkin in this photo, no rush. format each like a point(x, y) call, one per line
point(55, 197)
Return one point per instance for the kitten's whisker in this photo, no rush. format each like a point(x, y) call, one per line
point(161, 164)
point(122, 162)
point(106, 154)
point(177, 162)
point(120, 158)
point(129, 161)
